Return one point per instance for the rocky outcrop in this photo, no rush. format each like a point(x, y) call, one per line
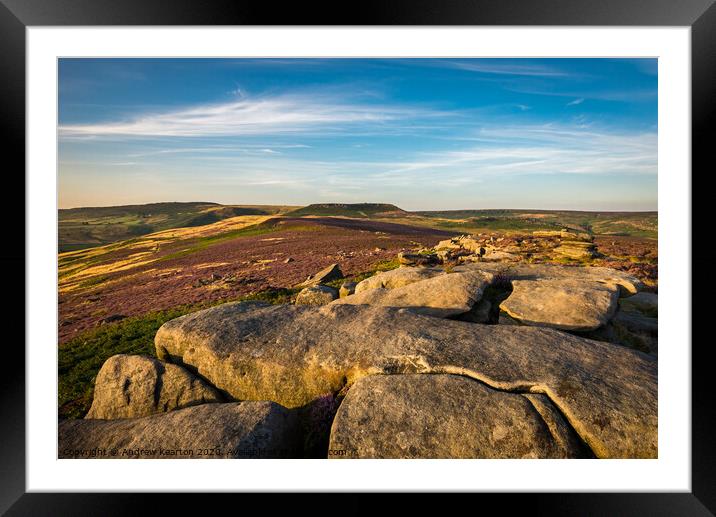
point(466, 242)
point(293, 354)
point(566, 304)
point(499, 256)
point(565, 234)
point(129, 386)
point(230, 430)
point(447, 416)
point(316, 295)
point(327, 274)
point(417, 259)
point(577, 249)
point(442, 296)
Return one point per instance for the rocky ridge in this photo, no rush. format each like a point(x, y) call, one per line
point(463, 356)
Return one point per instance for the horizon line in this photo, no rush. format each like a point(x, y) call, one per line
point(361, 203)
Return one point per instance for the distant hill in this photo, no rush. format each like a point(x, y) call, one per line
point(635, 224)
point(350, 210)
point(86, 227)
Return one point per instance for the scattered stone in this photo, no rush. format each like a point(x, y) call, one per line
point(316, 295)
point(347, 289)
point(332, 272)
point(295, 354)
point(130, 386)
point(561, 304)
point(441, 296)
point(446, 416)
point(287, 260)
point(208, 431)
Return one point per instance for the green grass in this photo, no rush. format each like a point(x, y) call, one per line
point(80, 359)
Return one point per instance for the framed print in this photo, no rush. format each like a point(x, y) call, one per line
point(419, 248)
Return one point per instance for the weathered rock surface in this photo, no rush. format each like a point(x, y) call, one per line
point(645, 303)
point(293, 354)
point(230, 430)
point(347, 289)
point(130, 386)
point(316, 295)
point(562, 304)
point(397, 278)
point(332, 272)
point(628, 284)
point(447, 416)
point(441, 296)
point(632, 329)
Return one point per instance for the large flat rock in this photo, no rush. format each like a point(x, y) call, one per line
point(209, 431)
point(445, 295)
point(294, 354)
point(567, 304)
point(446, 416)
point(626, 283)
point(397, 278)
point(129, 386)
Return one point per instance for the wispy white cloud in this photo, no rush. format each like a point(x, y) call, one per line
point(575, 102)
point(260, 116)
point(487, 67)
point(632, 95)
point(539, 150)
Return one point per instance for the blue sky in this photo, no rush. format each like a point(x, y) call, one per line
point(423, 134)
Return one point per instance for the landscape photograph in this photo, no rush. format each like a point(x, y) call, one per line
point(349, 258)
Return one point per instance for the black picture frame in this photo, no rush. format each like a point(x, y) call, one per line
point(16, 15)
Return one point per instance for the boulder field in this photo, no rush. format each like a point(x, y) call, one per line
point(405, 367)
